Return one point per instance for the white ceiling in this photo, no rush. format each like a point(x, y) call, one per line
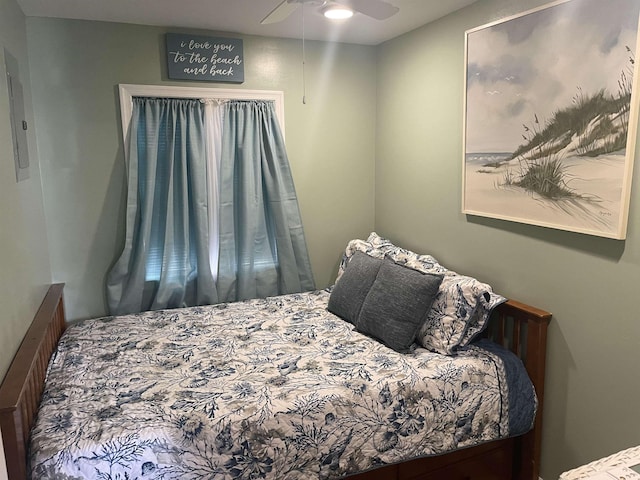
point(244, 16)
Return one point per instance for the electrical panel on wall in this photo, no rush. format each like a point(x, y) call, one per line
point(17, 117)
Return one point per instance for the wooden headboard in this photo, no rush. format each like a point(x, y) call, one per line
point(23, 384)
point(519, 327)
point(523, 329)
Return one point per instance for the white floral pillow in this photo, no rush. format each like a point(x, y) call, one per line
point(478, 322)
point(379, 247)
point(424, 263)
point(354, 246)
point(458, 314)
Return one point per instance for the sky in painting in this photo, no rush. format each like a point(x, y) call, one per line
point(533, 65)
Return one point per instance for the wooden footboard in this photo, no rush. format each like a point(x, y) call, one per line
point(22, 386)
point(521, 328)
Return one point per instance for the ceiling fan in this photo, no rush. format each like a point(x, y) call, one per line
point(378, 9)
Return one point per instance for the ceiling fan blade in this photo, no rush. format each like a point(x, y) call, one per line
point(282, 11)
point(378, 9)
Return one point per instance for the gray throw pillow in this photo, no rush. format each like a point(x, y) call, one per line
point(397, 304)
point(350, 290)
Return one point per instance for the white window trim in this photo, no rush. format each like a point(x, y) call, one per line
point(128, 91)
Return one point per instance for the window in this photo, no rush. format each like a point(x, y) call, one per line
point(209, 96)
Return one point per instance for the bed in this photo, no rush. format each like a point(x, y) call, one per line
point(276, 396)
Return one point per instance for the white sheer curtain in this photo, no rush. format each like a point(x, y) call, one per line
point(213, 120)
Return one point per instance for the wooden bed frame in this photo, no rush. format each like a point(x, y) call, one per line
point(520, 327)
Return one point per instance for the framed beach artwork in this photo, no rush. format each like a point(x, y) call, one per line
point(551, 113)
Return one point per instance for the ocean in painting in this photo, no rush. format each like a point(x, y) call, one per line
point(486, 158)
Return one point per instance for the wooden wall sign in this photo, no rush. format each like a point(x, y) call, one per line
point(210, 59)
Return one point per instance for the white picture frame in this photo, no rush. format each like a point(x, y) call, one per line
point(550, 116)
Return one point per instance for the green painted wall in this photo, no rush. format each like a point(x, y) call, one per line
point(76, 67)
point(24, 254)
point(590, 284)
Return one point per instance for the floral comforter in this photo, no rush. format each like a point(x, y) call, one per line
point(277, 388)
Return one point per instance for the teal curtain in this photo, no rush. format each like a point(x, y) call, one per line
point(262, 245)
point(165, 260)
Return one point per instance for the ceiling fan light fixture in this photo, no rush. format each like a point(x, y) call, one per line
point(337, 12)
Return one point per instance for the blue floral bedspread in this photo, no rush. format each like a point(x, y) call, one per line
point(277, 388)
